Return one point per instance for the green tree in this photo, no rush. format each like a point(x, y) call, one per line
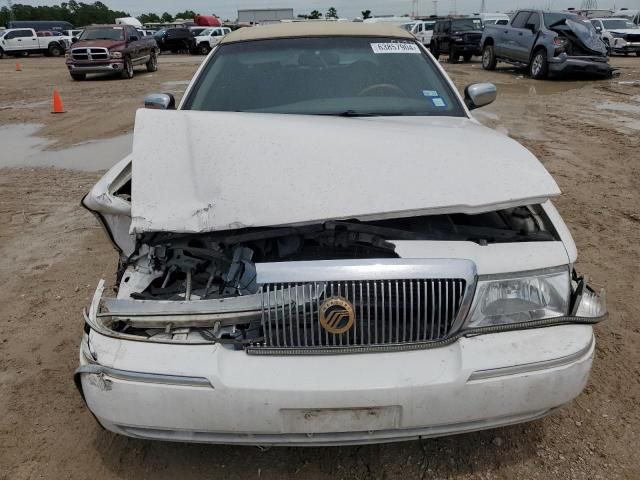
point(314, 15)
point(366, 14)
point(186, 15)
point(76, 13)
point(332, 13)
point(149, 18)
point(166, 17)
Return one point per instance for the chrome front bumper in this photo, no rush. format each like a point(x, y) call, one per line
point(104, 68)
point(211, 394)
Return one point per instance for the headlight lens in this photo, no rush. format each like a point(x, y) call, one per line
point(116, 54)
point(518, 298)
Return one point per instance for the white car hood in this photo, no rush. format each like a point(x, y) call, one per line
point(211, 171)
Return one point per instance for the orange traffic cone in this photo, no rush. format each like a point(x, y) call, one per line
point(58, 107)
point(18, 67)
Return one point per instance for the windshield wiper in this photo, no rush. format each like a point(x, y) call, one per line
point(355, 113)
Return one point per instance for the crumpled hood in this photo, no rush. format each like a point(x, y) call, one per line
point(587, 36)
point(626, 31)
point(211, 171)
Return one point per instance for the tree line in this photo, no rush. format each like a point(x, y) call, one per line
point(80, 14)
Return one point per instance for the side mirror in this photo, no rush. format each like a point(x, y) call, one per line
point(133, 38)
point(74, 40)
point(599, 29)
point(478, 95)
point(160, 101)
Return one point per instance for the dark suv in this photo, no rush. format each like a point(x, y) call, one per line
point(456, 37)
point(175, 40)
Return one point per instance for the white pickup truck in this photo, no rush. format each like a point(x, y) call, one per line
point(209, 38)
point(20, 41)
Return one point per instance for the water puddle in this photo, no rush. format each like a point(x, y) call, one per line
point(540, 88)
point(21, 148)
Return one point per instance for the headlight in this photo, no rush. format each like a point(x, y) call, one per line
point(617, 35)
point(116, 54)
point(523, 297)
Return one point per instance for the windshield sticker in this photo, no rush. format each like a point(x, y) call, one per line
point(429, 93)
point(438, 102)
point(394, 48)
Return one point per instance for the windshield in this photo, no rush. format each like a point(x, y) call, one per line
point(618, 24)
point(110, 33)
point(348, 76)
point(407, 26)
point(205, 32)
point(463, 24)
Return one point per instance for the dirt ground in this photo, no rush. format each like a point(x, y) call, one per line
point(586, 132)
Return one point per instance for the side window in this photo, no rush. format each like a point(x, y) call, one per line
point(23, 33)
point(216, 33)
point(520, 19)
point(446, 27)
point(419, 28)
point(10, 35)
point(533, 22)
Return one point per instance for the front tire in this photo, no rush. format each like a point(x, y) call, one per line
point(127, 73)
point(489, 60)
point(54, 51)
point(204, 49)
point(78, 77)
point(637, 54)
point(1, 53)
point(539, 68)
point(152, 64)
point(435, 51)
point(453, 55)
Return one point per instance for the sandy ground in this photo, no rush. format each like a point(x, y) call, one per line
point(586, 133)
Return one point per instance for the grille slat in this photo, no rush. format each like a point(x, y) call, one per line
point(385, 312)
point(87, 54)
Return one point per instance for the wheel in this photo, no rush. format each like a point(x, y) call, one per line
point(467, 57)
point(54, 51)
point(204, 48)
point(435, 51)
point(453, 55)
point(1, 53)
point(128, 68)
point(489, 60)
point(539, 68)
point(78, 77)
point(152, 64)
point(637, 54)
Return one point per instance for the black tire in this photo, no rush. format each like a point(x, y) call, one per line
point(453, 55)
point(539, 67)
point(55, 51)
point(78, 77)
point(204, 49)
point(637, 54)
point(127, 72)
point(152, 64)
point(467, 57)
point(435, 51)
point(1, 53)
point(489, 60)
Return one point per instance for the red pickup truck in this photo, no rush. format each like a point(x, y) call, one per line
point(111, 49)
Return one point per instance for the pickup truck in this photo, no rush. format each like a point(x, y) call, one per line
point(546, 43)
point(111, 49)
point(23, 41)
point(209, 38)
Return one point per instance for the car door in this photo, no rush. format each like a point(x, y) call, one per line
point(20, 40)
point(509, 43)
point(527, 36)
point(445, 38)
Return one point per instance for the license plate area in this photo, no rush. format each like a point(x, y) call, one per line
point(336, 420)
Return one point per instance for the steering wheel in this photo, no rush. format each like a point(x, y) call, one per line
point(381, 86)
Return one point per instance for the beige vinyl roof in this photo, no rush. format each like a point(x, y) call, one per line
point(316, 29)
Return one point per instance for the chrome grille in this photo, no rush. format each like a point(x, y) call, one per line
point(386, 312)
point(89, 54)
point(472, 37)
point(632, 37)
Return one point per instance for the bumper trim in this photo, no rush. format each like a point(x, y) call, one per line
point(96, 369)
point(533, 367)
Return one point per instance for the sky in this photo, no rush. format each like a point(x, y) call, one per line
point(227, 9)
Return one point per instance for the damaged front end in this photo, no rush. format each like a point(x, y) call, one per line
point(265, 290)
point(578, 48)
